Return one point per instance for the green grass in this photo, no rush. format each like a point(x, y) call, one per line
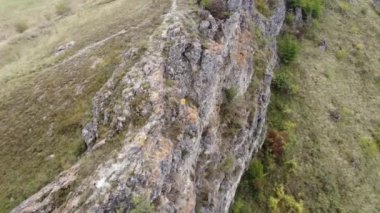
point(329, 165)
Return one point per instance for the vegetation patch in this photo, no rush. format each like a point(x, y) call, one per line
point(21, 26)
point(287, 48)
point(309, 7)
point(137, 104)
point(141, 204)
point(301, 120)
point(63, 8)
point(369, 147)
point(218, 8)
point(263, 7)
point(232, 113)
point(283, 202)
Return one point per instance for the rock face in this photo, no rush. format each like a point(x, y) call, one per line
point(190, 113)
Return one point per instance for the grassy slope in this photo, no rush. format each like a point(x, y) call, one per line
point(44, 104)
point(326, 164)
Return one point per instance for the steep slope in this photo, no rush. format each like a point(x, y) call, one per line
point(331, 118)
point(188, 115)
point(45, 94)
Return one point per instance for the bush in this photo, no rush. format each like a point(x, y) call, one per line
point(228, 164)
point(369, 147)
point(340, 55)
point(256, 175)
point(21, 26)
point(276, 142)
point(280, 82)
point(62, 8)
point(309, 7)
point(239, 206)
point(282, 202)
point(218, 8)
point(231, 112)
point(344, 7)
point(262, 7)
point(229, 95)
point(141, 204)
point(287, 48)
point(205, 3)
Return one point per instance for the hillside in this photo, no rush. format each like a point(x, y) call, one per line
point(330, 120)
point(46, 94)
point(189, 106)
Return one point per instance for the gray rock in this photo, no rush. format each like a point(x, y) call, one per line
point(208, 27)
point(64, 47)
point(176, 159)
point(204, 14)
point(323, 45)
point(376, 3)
point(89, 134)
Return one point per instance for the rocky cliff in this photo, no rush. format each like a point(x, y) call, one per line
point(190, 112)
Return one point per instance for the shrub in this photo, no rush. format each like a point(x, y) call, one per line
point(59, 197)
point(276, 142)
point(282, 202)
point(239, 206)
point(141, 204)
point(309, 7)
point(218, 8)
point(229, 95)
point(287, 48)
point(282, 83)
point(205, 3)
point(228, 164)
point(262, 7)
point(137, 105)
point(340, 55)
point(289, 18)
point(344, 7)
point(364, 11)
point(21, 26)
point(62, 8)
point(231, 112)
point(369, 147)
point(256, 175)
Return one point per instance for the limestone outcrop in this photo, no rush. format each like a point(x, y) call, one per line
point(191, 112)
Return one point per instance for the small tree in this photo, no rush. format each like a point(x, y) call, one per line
point(276, 142)
point(287, 48)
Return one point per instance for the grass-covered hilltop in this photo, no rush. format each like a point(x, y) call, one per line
point(321, 153)
point(194, 106)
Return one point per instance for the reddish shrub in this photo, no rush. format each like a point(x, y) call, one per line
point(276, 142)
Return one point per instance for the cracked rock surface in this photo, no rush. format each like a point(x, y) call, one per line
point(186, 142)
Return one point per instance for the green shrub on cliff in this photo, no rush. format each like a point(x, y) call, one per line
point(309, 7)
point(287, 48)
point(283, 202)
point(262, 7)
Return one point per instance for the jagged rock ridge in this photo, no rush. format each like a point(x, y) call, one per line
point(191, 113)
